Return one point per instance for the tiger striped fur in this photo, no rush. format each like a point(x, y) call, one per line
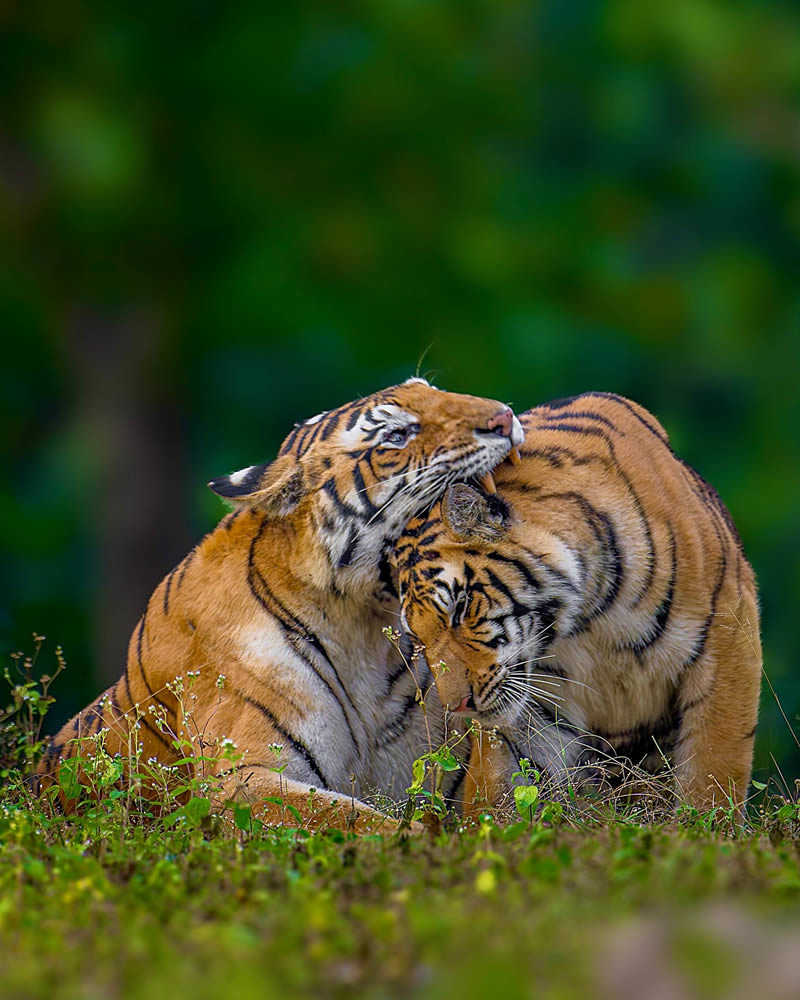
point(287, 599)
point(598, 607)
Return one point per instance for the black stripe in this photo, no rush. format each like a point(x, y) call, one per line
point(128, 687)
point(560, 404)
point(145, 718)
point(646, 739)
point(286, 447)
point(361, 489)
point(398, 725)
point(561, 577)
point(167, 590)
point(602, 528)
point(586, 415)
point(349, 549)
point(348, 512)
point(517, 609)
point(554, 404)
point(662, 612)
point(294, 742)
point(551, 455)
point(621, 401)
point(306, 438)
point(385, 574)
point(711, 499)
point(331, 423)
point(353, 418)
point(424, 525)
point(395, 676)
point(150, 690)
point(694, 702)
point(296, 631)
point(606, 437)
point(523, 570)
point(185, 565)
point(702, 639)
point(231, 519)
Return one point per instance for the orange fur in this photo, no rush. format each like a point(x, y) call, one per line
point(600, 606)
point(287, 599)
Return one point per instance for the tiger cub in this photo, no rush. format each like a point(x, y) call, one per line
point(273, 622)
point(598, 606)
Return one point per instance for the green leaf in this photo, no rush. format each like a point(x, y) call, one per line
point(68, 778)
point(242, 816)
point(515, 831)
point(193, 812)
point(418, 776)
point(197, 809)
point(445, 759)
point(760, 785)
point(525, 798)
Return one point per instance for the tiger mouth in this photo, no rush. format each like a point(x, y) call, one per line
point(486, 481)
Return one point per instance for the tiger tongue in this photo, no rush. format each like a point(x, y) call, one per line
point(488, 483)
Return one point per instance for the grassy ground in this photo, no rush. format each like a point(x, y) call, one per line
point(89, 908)
point(571, 901)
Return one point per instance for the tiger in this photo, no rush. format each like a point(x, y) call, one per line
point(597, 606)
point(267, 637)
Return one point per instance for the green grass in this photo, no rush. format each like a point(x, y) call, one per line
point(88, 909)
point(584, 900)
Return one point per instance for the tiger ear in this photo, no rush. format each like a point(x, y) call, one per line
point(275, 488)
point(467, 513)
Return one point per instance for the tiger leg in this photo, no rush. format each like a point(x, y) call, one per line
point(488, 777)
point(279, 775)
point(280, 801)
point(719, 710)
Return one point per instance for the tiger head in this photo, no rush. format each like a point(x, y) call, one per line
point(470, 596)
point(355, 475)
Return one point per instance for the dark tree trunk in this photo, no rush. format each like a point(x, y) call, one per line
point(132, 424)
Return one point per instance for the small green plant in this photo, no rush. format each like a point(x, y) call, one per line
point(21, 721)
point(526, 793)
point(429, 768)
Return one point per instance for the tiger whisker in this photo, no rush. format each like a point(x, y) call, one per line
point(397, 475)
point(532, 689)
point(417, 481)
point(536, 636)
point(553, 679)
point(523, 695)
point(523, 699)
point(535, 659)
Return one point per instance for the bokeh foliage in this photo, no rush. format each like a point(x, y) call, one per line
point(221, 218)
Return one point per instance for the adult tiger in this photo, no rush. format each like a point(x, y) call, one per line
point(598, 606)
point(286, 599)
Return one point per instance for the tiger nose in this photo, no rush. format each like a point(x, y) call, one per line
point(502, 422)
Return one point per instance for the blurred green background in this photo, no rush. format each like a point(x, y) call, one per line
point(221, 218)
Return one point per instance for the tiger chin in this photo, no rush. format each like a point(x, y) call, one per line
point(597, 610)
point(264, 647)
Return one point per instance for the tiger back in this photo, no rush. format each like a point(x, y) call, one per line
point(599, 606)
point(263, 649)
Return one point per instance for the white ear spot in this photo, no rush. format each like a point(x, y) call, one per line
point(315, 420)
point(238, 477)
point(415, 379)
